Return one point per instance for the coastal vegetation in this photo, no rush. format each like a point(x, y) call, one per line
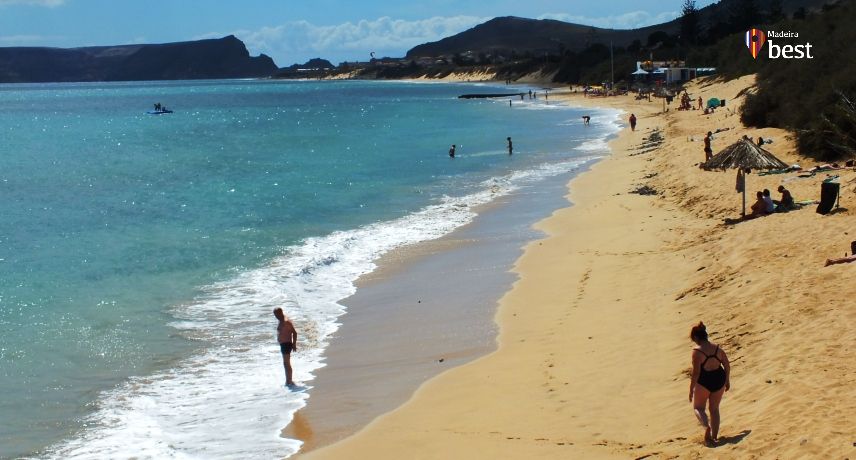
point(813, 98)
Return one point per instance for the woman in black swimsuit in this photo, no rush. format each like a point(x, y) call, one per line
point(710, 380)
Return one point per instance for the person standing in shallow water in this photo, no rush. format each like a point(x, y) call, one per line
point(710, 379)
point(286, 335)
point(510, 147)
point(452, 151)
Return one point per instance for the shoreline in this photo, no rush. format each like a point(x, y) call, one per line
point(593, 355)
point(450, 285)
point(479, 253)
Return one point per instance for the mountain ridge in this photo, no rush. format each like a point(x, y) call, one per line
point(225, 57)
point(507, 34)
point(510, 35)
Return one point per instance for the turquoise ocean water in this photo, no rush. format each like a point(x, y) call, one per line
point(141, 255)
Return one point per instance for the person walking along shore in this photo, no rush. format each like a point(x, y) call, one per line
point(710, 379)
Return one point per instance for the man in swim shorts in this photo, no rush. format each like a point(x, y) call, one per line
point(287, 337)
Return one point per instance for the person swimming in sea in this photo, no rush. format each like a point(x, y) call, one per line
point(286, 335)
point(710, 379)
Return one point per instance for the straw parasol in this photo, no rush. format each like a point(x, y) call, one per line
point(744, 155)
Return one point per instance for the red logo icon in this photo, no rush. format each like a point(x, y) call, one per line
point(755, 39)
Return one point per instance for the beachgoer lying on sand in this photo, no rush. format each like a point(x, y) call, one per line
point(825, 167)
point(787, 201)
point(843, 260)
point(710, 379)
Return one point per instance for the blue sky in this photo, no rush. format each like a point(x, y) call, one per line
point(295, 30)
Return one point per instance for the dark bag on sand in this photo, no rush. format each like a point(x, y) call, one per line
point(828, 195)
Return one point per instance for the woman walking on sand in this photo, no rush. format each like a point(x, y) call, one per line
point(711, 378)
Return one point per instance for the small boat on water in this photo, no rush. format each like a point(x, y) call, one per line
point(160, 109)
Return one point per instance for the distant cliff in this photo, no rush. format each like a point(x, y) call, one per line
point(203, 59)
point(507, 35)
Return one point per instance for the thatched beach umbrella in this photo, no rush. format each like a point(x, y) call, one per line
point(744, 155)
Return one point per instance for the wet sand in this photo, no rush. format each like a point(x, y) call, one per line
point(426, 309)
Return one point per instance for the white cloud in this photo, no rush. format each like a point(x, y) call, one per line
point(298, 41)
point(631, 20)
point(48, 3)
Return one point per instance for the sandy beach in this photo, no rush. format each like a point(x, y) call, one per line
point(593, 352)
point(426, 308)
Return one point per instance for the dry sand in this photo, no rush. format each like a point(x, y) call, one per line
point(593, 354)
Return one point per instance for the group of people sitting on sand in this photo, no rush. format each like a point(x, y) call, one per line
point(764, 204)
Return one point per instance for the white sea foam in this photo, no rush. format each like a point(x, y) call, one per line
point(228, 401)
point(612, 120)
point(540, 105)
point(593, 146)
